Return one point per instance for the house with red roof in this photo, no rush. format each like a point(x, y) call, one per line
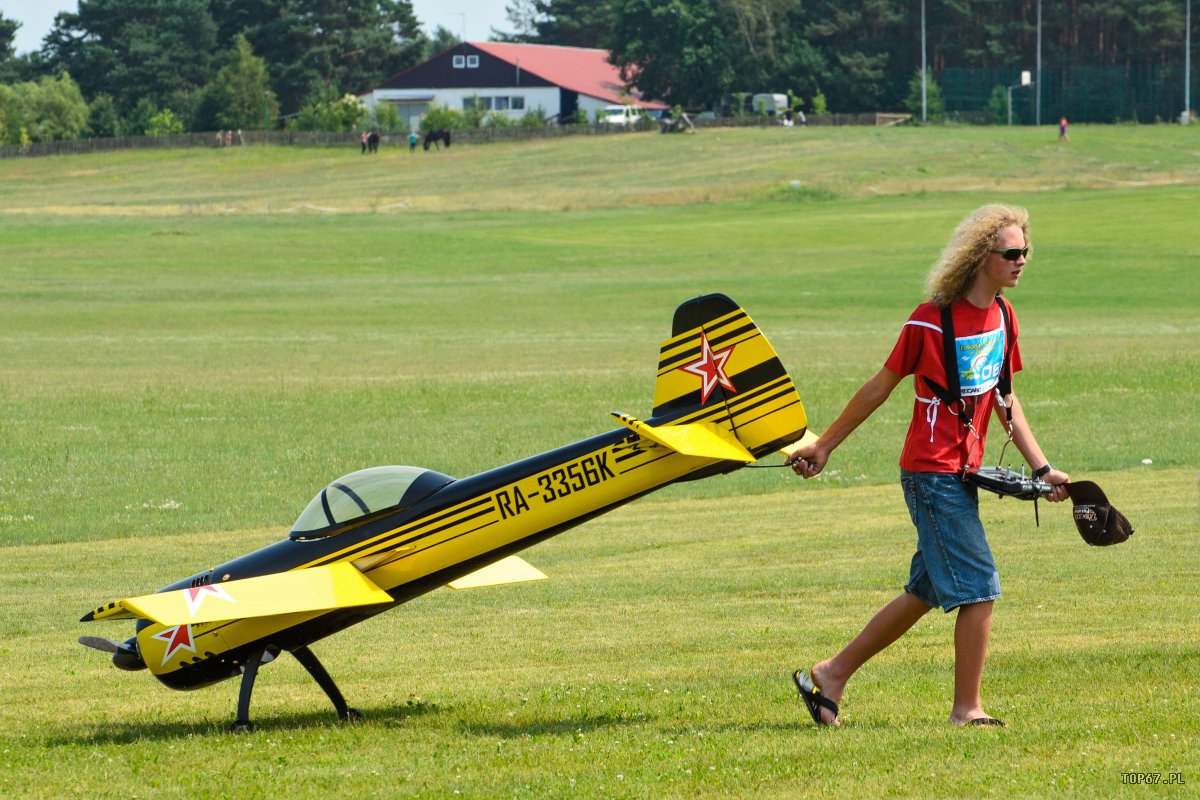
point(510, 79)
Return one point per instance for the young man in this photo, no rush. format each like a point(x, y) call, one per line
point(953, 566)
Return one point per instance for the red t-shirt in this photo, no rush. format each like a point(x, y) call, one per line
point(937, 440)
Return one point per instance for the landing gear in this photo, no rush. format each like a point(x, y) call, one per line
point(309, 661)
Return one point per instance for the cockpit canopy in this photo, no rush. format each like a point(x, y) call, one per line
point(363, 493)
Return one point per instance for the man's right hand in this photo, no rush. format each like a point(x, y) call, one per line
point(808, 460)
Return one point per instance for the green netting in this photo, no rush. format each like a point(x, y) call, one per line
point(1143, 93)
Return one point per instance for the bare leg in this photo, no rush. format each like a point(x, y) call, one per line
point(971, 632)
point(889, 624)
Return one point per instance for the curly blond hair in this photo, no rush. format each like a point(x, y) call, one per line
point(954, 273)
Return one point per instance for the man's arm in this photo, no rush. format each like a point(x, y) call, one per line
point(1023, 438)
point(811, 459)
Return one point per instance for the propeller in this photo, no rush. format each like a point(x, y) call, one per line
point(125, 654)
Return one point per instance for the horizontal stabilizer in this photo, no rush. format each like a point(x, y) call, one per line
point(808, 438)
point(506, 570)
point(317, 589)
point(699, 439)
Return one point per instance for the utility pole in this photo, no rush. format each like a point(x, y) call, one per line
point(1187, 66)
point(1037, 113)
point(924, 70)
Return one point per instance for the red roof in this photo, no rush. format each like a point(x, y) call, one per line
point(578, 69)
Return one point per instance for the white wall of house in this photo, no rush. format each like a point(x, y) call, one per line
point(589, 105)
point(514, 102)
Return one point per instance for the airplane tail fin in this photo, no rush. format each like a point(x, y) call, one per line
point(719, 369)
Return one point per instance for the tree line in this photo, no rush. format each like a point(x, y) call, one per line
point(161, 66)
point(858, 55)
point(132, 66)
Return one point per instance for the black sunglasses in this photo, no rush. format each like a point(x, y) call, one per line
point(1012, 253)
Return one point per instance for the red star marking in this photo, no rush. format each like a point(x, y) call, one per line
point(179, 638)
point(195, 596)
point(711, 368)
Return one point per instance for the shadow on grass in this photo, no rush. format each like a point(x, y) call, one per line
point(551, 727)
point(265, 724)
point(122, 733)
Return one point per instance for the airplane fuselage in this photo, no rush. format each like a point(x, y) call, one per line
point(460, 528)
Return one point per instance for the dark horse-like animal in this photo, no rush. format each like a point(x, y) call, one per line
point(433, 137)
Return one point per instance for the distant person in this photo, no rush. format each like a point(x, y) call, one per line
point(229, 138)
point(362, 138)
point(240, 140)
point(1062, 130)
point(953, 567)
point(412, 141)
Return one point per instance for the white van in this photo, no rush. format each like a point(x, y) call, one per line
point(620, 115)
point(772, 104)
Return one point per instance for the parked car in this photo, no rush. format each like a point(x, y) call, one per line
point(621, 115)
point(770, 104)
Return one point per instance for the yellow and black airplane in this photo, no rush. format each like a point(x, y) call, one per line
point(379, 537)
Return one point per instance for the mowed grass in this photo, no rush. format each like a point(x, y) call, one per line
point(615, 171)
point(192, 348)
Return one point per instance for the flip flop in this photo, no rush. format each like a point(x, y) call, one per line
point(981, 721)
point(812, 697)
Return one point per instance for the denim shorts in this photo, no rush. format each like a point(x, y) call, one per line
point(953, 565)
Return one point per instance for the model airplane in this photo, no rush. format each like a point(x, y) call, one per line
point(377, 538)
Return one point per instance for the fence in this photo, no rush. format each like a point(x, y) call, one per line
point(351, 139)
point(1138, 93)
point(177, 140)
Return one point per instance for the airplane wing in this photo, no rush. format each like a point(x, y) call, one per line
point(337, 585)
point(506, 570)
point(700, 439)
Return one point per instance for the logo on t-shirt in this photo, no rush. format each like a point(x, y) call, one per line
point(979, 361)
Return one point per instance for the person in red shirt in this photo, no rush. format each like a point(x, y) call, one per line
point(953, 566)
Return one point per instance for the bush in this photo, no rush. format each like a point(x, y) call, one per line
point(163, 123)
point(325, 111)
point(473, 113)
point(934, 108)
point(138, 120)
point(441, 117)
point(533, 118)
point(997, 105)
point(42, 111)
point(387, 118)
point(103, 117)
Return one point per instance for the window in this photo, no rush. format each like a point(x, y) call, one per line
point(518, 103)
point(364, 493)
point(472, 62)
point(501, 104)
point(468, 103)
point(460, 62)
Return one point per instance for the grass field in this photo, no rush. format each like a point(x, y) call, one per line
point(196, 341)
